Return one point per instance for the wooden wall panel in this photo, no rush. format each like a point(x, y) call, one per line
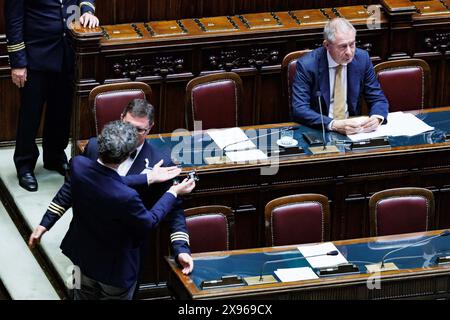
point(2, 18)
point(9, 108)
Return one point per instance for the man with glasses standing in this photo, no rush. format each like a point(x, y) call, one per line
point(341, 73)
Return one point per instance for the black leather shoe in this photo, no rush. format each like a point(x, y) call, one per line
point(28, 181)
point(62, 168)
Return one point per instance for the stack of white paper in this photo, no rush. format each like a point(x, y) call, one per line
point(295, 274)
point(231, 139)
point(398, 124)
point(317, 256)
point(236, 145)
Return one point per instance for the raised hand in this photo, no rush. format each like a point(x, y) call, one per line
point(161, 174)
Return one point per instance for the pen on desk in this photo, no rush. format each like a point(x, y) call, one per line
point(343, 141)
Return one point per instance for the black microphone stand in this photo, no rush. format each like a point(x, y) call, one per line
point(324, 148)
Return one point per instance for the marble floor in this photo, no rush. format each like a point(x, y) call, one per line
point(32, 206)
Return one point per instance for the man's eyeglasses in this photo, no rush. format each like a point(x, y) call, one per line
point(142, 130)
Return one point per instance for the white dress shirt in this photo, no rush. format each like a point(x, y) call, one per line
point(126, 165)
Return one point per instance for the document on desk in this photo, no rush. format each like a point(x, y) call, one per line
point(296, 274)
point(317, 256)
point(231, 139)
point(246, 155)
point(398, 124)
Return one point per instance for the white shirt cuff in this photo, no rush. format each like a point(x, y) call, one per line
point(174, 194)
point(330, 125)
point(379, 117)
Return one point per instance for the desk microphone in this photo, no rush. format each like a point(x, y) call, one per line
point(330, 253)
point(258, 136)
point(324, 149)
point(421, 242)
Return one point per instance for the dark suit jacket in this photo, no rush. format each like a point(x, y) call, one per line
point(37, 32)
point(109, 221)
point(313, 76)
point(149, 195)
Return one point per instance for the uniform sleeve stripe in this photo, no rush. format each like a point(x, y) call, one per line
point(59, 214)
point(85, 3)
point(179, 233)
point(16, 47)
point(179, 239)
point(58, 206)
point(56, 210)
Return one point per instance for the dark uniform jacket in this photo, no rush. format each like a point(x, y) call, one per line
point(36, 32)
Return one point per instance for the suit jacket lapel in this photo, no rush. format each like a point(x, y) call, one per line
point(324, 80)
point(351, 74)
point(139, 163)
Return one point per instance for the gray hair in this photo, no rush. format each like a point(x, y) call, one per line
point(336, 25)
point(117, 140)
point(140, 108)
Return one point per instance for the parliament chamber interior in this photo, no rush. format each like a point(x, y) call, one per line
point(232, 64)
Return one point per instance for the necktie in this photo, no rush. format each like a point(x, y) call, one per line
point(339, 99)
point(133, 154)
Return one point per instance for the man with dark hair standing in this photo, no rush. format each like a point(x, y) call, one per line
point(109, 218)
point(42, 66)
point(140, 114)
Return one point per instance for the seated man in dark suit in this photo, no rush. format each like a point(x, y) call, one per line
point(341, 73)
point(140, 114)
point(109, 218)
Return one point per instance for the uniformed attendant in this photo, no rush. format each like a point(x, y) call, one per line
point(42, 66)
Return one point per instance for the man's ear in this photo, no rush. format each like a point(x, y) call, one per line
point(325, 43)
point(151, 126)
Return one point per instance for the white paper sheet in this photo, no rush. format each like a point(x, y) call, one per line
point(323, 260)
point(231, 139)
point(398, 124)
point(295, 274)
point(246, 155)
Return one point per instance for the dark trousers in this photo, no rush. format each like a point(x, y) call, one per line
point(55, 89)
point(91, 289)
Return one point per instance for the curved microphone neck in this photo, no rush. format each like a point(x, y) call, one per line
point(421, 242)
